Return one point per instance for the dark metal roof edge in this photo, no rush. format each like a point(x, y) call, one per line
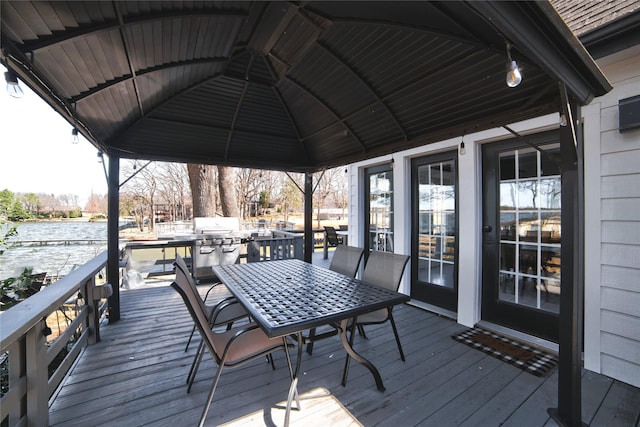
point(616, 35)
point(553, 47)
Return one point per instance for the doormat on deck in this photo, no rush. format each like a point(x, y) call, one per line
point(527, 358)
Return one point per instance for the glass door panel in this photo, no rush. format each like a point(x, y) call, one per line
point(435, 230)
point(379, 211)
point(530, 230)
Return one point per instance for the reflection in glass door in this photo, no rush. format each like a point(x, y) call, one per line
point(435, 230)
point(530, 228)
point(379, 208)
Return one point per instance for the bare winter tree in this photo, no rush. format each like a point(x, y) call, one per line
point(247, 189)
point(174, 189)
point(291, 197)
point(330, 182)
point(203, 194)
point(143, 188)
point(227, 184)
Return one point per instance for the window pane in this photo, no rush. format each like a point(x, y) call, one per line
point(508, 226)
point(527, 163)
point(550, 193)
point(507, 166)
point(528, 259)
point(507, 257)
point(550, 227)
point(528, 194)
point(550, 262)
point(507, 195)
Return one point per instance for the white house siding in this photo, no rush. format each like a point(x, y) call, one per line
point(612, 218)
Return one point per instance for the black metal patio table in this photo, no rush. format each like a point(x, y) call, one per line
point(290, 296)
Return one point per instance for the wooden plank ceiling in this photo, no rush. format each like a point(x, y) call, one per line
point(290, 86)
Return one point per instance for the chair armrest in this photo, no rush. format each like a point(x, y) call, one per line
point(223, 305)
point(210, 289)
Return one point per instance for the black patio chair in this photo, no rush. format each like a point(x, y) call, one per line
point(384, 269)
point(345, 260)
point(230, 348)
point(232, 313)
point(333, 240)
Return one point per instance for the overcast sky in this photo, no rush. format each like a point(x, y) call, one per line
point(36, 152)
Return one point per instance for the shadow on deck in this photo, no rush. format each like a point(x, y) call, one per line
point(136, 376)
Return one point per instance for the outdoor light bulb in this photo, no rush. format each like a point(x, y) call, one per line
point(13, 88)
point(513, 75)
point(74, 136)
point(99, 156)
point(463, 150)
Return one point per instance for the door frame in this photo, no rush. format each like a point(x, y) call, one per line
point(518, 317)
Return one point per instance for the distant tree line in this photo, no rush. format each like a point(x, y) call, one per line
point(21, 206)
point(159, 191)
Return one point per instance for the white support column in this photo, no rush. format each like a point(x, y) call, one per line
point(469, 226)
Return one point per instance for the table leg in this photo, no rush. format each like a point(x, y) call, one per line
point(293, 389)
point(348, 346)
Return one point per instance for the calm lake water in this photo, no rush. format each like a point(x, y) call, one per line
point(53, 259)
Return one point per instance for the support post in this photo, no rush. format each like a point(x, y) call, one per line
point(36, 370)
point(569, 410)
point(308, 217)
point(113, 250)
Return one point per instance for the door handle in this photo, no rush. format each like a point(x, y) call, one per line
point(487, 228)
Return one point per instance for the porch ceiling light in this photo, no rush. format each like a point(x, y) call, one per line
point(74, 136)
point(13, 88)
point(514, 76)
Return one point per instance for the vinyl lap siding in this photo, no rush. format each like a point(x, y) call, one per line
point(619, 234)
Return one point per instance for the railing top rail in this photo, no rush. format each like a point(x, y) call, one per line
point(283, 233)
point(19, 319)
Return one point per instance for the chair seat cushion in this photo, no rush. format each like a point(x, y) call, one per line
point(249, 344)
point(377, 316)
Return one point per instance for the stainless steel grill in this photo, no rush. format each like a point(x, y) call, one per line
point(217, 242)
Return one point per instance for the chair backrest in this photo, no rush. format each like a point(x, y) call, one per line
point(332, 236)
point(385, 269)
point(346, 260)
point(182, 268)
point(194, 304)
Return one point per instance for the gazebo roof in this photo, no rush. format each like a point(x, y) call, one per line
point(290, 86)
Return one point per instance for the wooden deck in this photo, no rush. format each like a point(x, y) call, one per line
point(136, 376)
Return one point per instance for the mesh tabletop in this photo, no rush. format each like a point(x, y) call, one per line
point(288, 296)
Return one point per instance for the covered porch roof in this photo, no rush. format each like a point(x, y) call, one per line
point(290, 86)
point(301, 87)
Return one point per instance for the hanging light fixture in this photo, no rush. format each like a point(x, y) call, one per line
point(514, 76)
point(74, 136)
point(13, 87)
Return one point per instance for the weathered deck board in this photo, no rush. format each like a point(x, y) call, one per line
point(136, 376)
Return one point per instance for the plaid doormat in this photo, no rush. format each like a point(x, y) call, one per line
point(527, 358)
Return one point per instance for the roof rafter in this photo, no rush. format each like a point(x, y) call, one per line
point(82, 31)
point(115, 81)
point(326, 107)
point(127, 52)
point(211, 127)
point(366, 84)
point(238, 106)
point(285, 108)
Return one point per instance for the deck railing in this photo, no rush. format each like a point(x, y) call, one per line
point(283, 245)
point(27, 355)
